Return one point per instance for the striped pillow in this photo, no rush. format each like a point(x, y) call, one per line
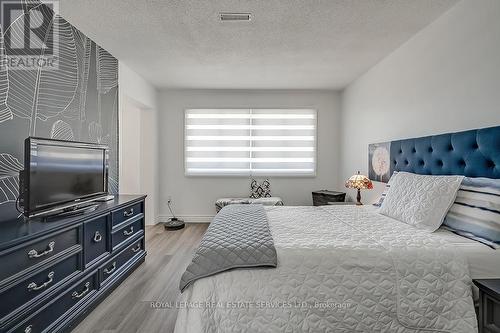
point(475, 213)
point(382, 196)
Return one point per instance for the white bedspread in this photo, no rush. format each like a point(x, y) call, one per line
point(340, 269)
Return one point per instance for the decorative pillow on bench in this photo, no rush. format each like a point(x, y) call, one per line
point(260, 190)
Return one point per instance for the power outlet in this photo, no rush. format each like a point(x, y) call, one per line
point(169, 199)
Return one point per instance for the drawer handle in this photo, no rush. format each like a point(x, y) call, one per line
point(28, 329)
point(110, 270)
point(34, 286)
point(97, 237)
point(129, 213)
point(129, 232)
point(136, 249)
point(76, 295)
point(34, 253)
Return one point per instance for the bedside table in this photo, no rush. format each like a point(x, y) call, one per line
point(325, 197)
point(489, 305)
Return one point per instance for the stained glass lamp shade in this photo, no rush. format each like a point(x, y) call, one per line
point(359, 182)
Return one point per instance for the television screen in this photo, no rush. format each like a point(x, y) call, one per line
point(61, 172)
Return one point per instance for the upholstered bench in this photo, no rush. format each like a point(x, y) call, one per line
point(269, 201)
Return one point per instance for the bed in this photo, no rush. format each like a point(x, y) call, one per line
point(350, 269)
point(483, 261)
point(336, 270)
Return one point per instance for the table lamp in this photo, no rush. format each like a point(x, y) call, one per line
point(359, 182)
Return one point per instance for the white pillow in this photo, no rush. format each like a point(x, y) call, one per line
point(419, 200)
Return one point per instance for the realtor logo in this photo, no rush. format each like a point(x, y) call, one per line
point(30, 34)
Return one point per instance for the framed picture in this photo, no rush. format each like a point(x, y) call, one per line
point(379, 161)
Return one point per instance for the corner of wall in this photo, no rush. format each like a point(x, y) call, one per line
point(136, 90)
point(445, 78)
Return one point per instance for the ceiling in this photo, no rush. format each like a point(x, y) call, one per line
point(288, 44)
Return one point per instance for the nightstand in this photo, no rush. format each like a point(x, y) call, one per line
point(341, 203)
point(325, 197)
point(489, 305)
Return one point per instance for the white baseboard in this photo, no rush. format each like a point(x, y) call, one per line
point(152, 221)
point(188, 218)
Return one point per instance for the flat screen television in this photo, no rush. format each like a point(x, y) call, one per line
point(61, 174)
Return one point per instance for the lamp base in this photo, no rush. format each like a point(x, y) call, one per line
point(358, 198)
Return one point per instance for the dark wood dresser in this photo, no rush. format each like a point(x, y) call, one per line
point(54, 272)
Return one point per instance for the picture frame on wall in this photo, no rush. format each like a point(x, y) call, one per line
point(379, 161)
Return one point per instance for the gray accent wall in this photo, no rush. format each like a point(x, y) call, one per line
point(78, 101)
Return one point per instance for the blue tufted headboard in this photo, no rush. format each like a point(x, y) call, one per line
point(474, 153)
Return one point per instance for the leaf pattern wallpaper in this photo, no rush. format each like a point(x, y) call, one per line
point(77, 101)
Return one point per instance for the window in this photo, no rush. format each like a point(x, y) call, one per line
point(260, 142)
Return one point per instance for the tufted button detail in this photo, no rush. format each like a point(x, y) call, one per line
point(470, 152)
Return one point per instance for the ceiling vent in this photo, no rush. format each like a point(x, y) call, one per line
point(235, 16)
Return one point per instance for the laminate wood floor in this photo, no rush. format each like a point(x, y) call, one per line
point(128, 308)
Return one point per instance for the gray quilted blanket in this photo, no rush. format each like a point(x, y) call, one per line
point(238, 237)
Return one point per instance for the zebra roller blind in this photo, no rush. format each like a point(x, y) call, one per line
point(250, 142)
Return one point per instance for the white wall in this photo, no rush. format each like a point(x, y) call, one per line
point(130, 169)
point(194, 197)
point(138, 102)
point(446, 78)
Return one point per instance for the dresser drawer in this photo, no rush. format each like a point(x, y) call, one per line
point(126, 232)
point(127, 213)
point(26, 256)
point(95, 235)
point(38, 284)
point(42, 320)
point(114, 266)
